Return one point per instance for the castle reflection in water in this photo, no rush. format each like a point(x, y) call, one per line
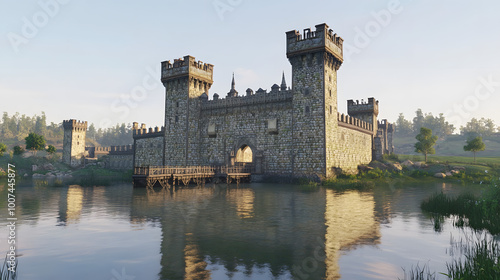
point(242, 228)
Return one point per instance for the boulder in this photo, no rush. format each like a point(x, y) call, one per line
point(395, 166)
point(459, 168)
point(34, 167)
point(378, 165)
point(448, 173)
point(440, 175)
point(407, 163)
point(365, 168)
point(455, 172)
point(48, 166)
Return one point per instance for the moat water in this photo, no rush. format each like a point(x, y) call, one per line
point(250, 231)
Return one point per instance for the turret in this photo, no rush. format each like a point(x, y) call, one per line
point(74, 142)
point(185, 81)
point(365, 111)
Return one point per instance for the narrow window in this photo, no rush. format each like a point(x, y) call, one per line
point(330, 109)
point(176, 119)
point(307, 109)
point(177, 104)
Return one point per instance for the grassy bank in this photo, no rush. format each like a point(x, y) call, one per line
point(393, 171)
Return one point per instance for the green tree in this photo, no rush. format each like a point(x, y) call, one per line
point(51, 149)
point(35, 142)
point(418, 120)
point(426, 142)
point(403, 126)
point(18, 150)
point(475, 145)
point(3, 148)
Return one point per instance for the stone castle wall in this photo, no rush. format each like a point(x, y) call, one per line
point(265, 127)
point(148, 149)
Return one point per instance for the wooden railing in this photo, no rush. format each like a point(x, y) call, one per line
point(169, 170)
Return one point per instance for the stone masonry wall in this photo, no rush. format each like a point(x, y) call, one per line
point(352, 148)
point(122, 162)
point(250, 125)
point(149, 151)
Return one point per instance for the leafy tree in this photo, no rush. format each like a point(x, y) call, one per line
point(418, 120)
point(3, 148)
point(41, 124)
point(482, 127)
point(426, 142)
point(475, 145)
point(35, 142)
point(403, 126)
point(18, 150)
point(51, 149)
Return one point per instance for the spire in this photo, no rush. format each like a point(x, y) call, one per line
point(232, 92)
point(283, 83)
point(232, 83)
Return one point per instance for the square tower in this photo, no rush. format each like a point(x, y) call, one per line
point(315, 57)
point(74, 142)
point(186, 82)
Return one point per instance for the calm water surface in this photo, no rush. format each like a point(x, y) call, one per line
point(250, 231)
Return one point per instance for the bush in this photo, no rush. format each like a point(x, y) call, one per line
point(18, 150)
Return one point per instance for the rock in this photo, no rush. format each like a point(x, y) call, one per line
point(448, 174)
point(37, 175)
point(420, 164)
point(455, 172)
point(395, 166)
point(440, 175)
point(460, 168)
point(48, 166)
point(407, 163)
point(34, 167)
point(365, 168)
point(378, 165)
point(25, 175)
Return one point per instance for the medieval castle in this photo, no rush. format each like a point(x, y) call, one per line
point(295, 131)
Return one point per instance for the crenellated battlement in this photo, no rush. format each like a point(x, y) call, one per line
point(121, 150)
point(356, 107)
point(75, 125)
point(322, 39)
point(352, 122)
point(260, 97)
point(186, 67)
point(143, 132)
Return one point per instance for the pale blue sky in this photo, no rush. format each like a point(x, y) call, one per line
point(90, 60)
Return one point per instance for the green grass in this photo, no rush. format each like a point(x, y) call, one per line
point(453, 159)
point(450, 146)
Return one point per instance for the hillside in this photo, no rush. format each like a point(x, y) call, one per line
point(449, 146)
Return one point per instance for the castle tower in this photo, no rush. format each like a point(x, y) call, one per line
point(365, 111)
point(315, 57)
point(185, 82)
point(74, 142)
